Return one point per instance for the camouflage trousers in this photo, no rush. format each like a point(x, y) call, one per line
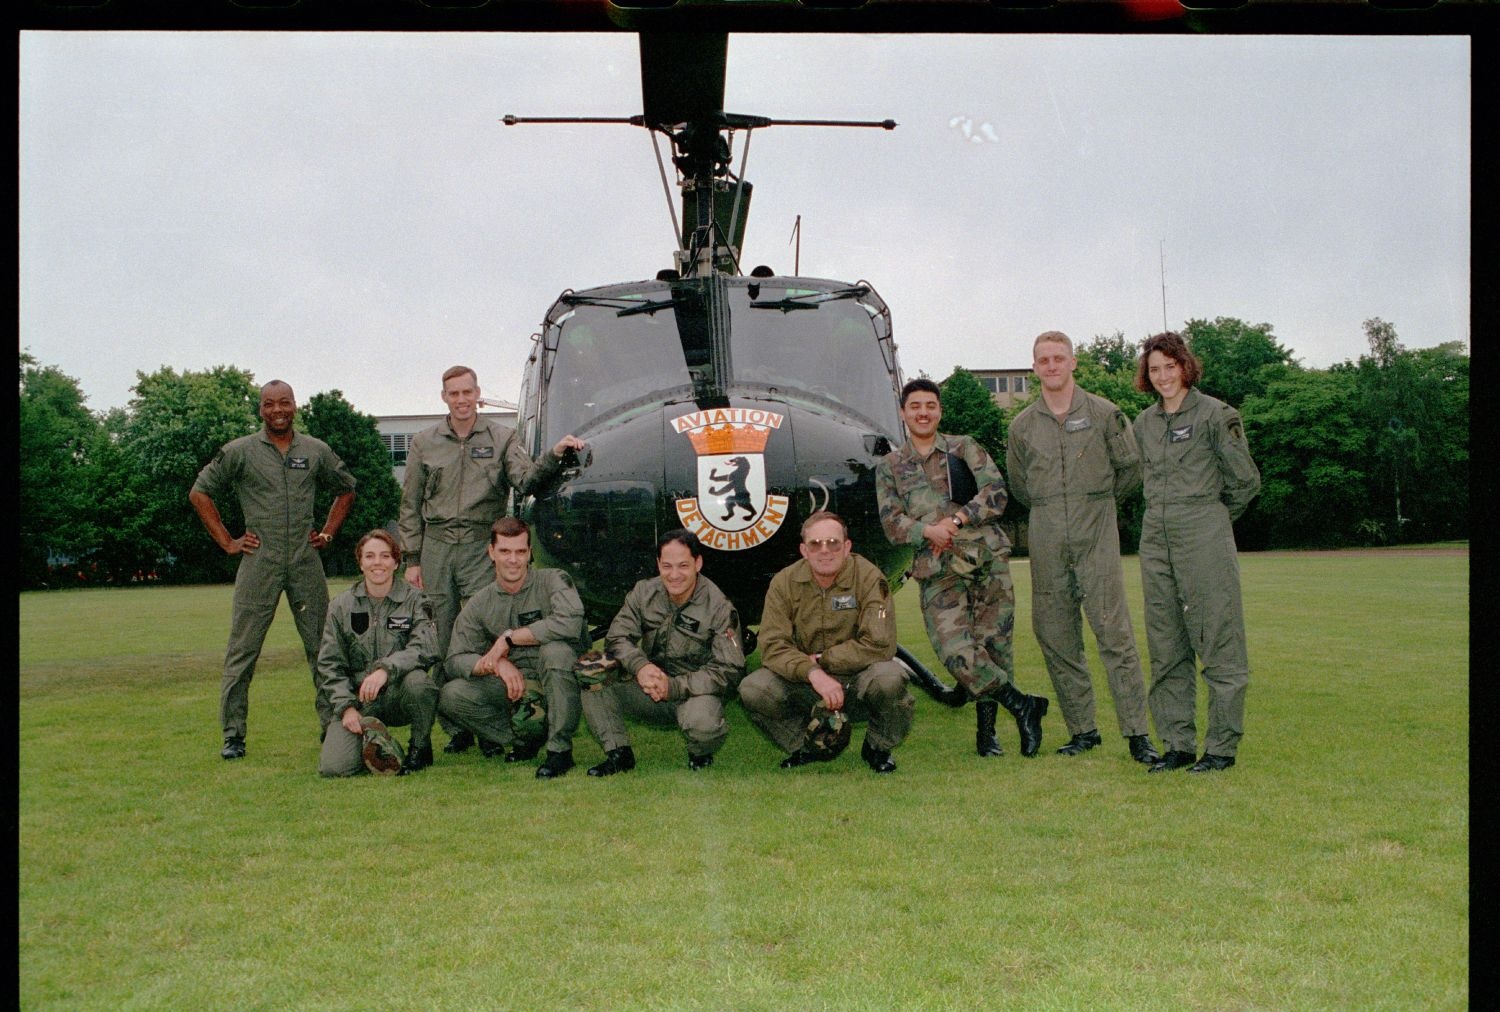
point(699, 718)
point(414, 702)
point(969, 622)
point(481, 706)
point(877, 694)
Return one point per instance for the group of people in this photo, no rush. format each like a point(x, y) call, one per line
point(496, 650)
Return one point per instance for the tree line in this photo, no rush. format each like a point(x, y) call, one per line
point(1368, 452)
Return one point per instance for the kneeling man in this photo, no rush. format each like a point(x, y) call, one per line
point(527, 623)
point(679, 637)
point(828, 634)
point(378, 641)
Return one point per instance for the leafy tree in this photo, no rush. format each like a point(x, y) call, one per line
point(968, 409)
point(1415, 406)
point(54, 441)
point(1239, 359)
point(356, 439)
point(1312, 449)
point(174, 426)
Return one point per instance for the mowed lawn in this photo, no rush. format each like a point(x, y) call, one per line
point(1328, 869)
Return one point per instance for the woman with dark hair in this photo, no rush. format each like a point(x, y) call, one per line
point(378, 642)
point(1198, 479)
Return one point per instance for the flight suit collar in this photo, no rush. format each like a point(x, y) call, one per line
point(298, 439)
point(1189, 402)
point(481, 424)
point(844, 580)
point(525, 584)
point(400, 590)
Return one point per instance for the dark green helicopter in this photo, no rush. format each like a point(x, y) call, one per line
point(728, 404)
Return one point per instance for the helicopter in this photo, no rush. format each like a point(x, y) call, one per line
point(730, 404)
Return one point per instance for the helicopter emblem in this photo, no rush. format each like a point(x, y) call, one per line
point(733, 509)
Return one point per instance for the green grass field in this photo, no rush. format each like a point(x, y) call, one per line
point(1329, 869)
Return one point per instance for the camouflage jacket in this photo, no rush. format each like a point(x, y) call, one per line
point(456, 488)
point(696, 644)
point(363, 633)
point(1197, 454)
point(276, 492)
point(547, 604)
point(913, 492)
point(852, 624)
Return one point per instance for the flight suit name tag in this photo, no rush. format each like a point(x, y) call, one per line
point(297, 463)
point(1077, 424)
point(482, 452)
point(1181, 435)
point(398, 623)
point(528, 617)
point(844, 602)
point(686, 623)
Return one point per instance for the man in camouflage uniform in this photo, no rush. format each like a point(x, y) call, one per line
point(378, 642)
point(527, 622)
point(1070, 457)
point(962, 560)
point(276, 472)
point(1199, 479)
point(678, 637)
point(828, 635)
point(459, 476)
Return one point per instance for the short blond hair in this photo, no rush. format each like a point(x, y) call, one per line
point(1052, 337)
point(459, 370)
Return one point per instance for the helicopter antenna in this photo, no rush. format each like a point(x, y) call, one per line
point(1164, 326)
point(797, 236)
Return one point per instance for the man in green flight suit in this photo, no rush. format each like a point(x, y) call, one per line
point(828, 635)
point(378, 642)
point(1070, 457)
point(678, 637)
point(276, 473)
point(527, 622)
point(459, 476)
point(944, 494)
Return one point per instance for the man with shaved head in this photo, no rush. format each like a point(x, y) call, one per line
point(276, 473)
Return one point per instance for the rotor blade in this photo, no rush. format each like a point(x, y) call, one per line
point(682, 76)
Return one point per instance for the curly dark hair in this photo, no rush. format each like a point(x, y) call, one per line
point(1172, 345)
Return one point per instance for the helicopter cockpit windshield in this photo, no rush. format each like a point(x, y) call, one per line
point(820, 345)
point(614, 354)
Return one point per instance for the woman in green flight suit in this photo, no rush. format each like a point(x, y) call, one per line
point(1198, 479)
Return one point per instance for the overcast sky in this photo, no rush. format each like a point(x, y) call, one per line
point(347, 211)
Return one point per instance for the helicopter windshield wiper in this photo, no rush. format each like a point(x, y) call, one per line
point(812, 300)
point(649, 307)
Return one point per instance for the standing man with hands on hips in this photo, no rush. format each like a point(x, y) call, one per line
point(276, 473)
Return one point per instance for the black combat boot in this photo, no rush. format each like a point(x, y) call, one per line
point(616, 760)
point(985, 742)
point(1028, 711)
point(1081, 743)
point(524, 750)
point(555, 765)
point(461, 741)
point(418, 757)
point(234, 747)
point(1141, 749)
point(878, 759)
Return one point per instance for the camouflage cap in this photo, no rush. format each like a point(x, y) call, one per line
point(828, 732)
point(381, 753)
point(528, 717)
point(596, 669)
